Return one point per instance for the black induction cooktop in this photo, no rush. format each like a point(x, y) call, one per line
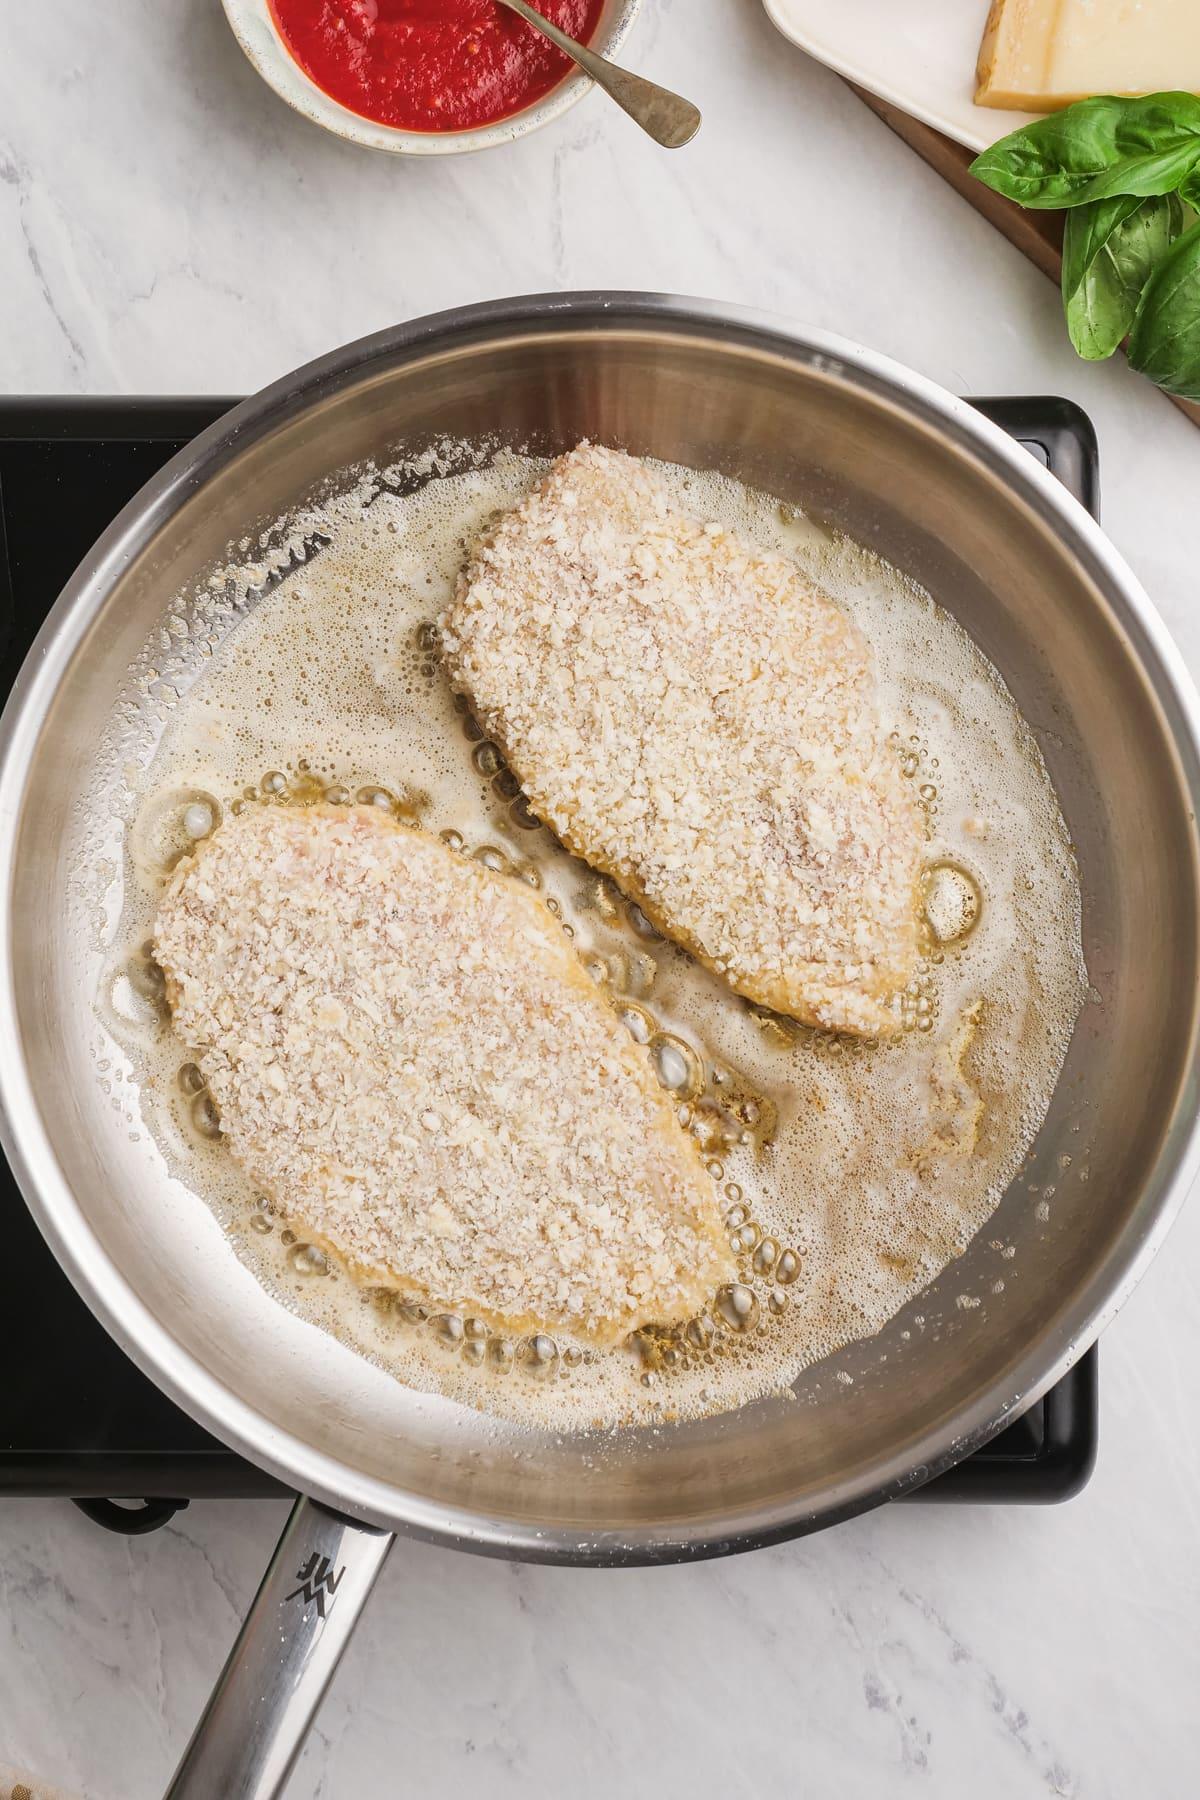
point(76, 1417)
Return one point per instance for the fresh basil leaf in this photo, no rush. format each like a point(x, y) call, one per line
point(1165, 341)
point(1086, 230)
point(1189, 190)
point(1110, 250)
point(1096, 149)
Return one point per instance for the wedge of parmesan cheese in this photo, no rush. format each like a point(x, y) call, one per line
point(1038, 55)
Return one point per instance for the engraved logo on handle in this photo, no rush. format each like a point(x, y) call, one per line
point(317, 1579)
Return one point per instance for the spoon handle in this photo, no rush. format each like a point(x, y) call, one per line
point(669, 119)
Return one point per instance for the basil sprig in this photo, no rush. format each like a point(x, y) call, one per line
point(1165, 341)
point(1110, 250)
point(1095, 150)
point(1126, 170)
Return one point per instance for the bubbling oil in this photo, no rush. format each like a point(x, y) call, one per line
point(848, 1174)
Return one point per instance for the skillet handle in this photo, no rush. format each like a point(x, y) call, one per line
point(254, 1726)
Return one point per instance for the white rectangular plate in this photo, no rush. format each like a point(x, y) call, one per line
point(918, 54)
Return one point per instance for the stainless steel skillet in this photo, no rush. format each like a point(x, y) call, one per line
point(939, 492)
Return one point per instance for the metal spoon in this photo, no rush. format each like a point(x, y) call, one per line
point(669, 119)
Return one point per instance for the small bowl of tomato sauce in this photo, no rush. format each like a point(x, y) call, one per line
point(423, 77)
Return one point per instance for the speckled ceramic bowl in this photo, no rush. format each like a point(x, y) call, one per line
point(255, 29)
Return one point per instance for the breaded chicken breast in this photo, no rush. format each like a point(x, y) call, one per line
point(410, 1060)
point(698, 721)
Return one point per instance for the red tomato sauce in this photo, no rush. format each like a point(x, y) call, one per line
point(430, 65)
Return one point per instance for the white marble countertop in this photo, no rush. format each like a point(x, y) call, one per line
point(167, 226)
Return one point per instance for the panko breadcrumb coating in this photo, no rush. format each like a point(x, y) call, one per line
point(410, 1060)
point(696, 720)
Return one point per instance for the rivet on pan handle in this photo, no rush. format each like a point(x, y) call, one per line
point(253, 1728)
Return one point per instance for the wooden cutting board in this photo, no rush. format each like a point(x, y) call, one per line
point(1038, 235)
